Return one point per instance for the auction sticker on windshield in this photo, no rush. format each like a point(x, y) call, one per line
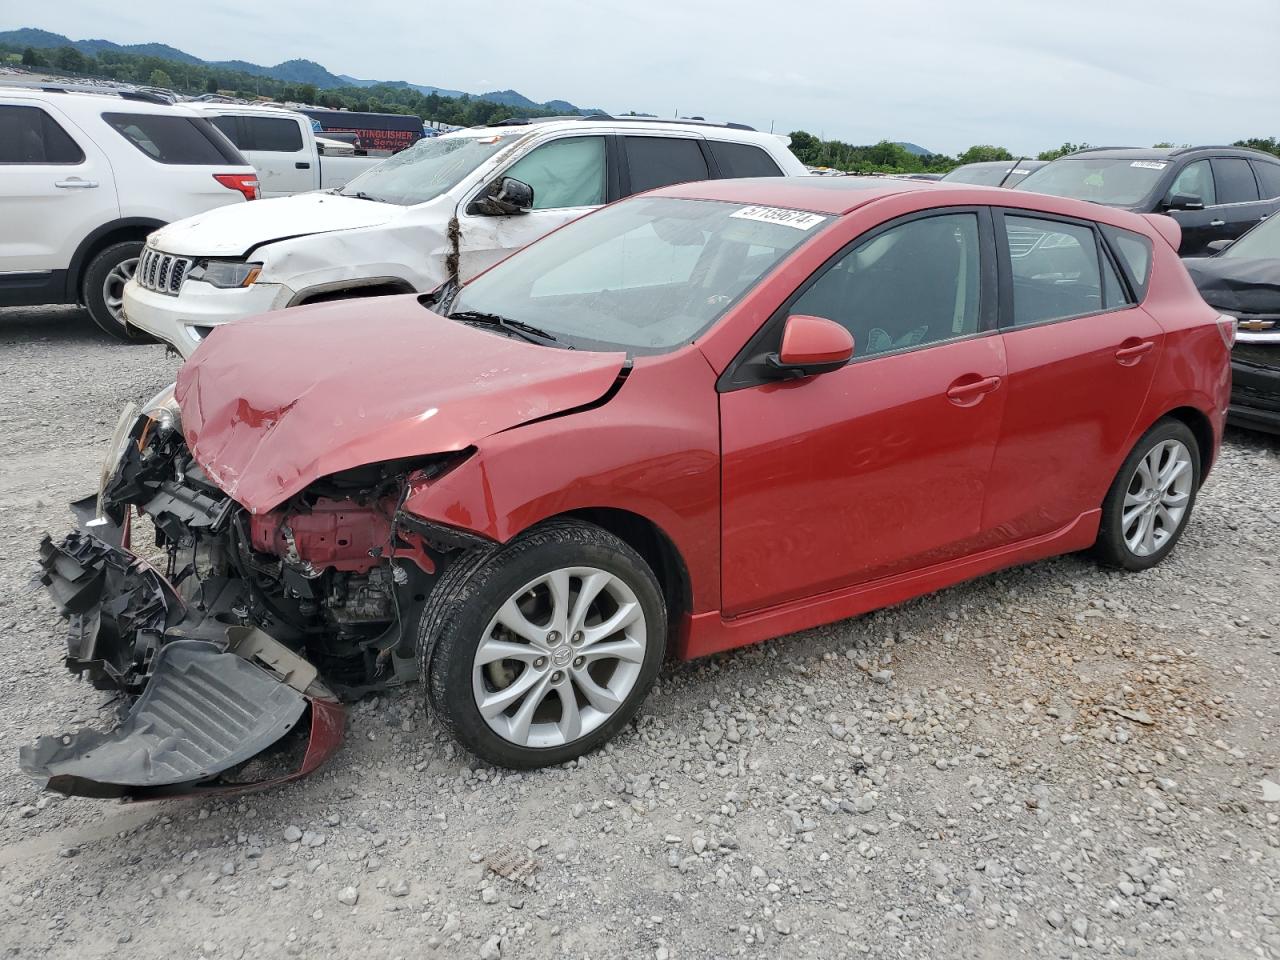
point(1150, 164)
point(788, 218)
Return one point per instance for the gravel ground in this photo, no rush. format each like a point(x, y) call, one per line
point(1055, 761)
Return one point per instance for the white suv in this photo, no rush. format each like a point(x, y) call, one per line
point(84, 177)
point(445, 209)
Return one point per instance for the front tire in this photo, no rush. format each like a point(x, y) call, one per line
point(539, 651)
point(103, 290)
point(1151, 499)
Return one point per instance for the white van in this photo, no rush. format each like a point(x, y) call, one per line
point(446, 208)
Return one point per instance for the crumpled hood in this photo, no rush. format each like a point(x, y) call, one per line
point(1239, 284)
point(273, 403)
point(232, 231)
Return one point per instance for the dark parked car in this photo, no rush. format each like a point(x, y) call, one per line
point(1215, 193)
point(1243, 280)
point(995, 173)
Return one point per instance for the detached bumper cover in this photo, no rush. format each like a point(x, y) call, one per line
point(202, 710)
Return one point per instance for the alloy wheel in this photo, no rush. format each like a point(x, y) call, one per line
point(1157, 497)
point(113, 287)
point(559, 657)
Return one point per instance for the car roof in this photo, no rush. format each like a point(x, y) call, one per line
point(829, 195)
point(713, 131)
point(109, 98)
point(1160, 153)
point(224, 108)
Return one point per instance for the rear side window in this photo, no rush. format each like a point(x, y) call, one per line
point(190, 141)
point(29, 135)
point(742, 160)
point(658, 161)
point(1133, 250)
point(1056, 270)
point(264, 134)
point(1268, 178)
point(1234, 178)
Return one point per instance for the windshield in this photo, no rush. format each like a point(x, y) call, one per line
point(645, 275)
point(984, 175)
point(1260, 243)
point(427, 169)
point(1116, 183)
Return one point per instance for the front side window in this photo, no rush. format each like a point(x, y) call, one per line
point(431, 167)
point(1112, 181)
point(645, 275)
point(661, 161)
point(189, 141)
point(916, 283)
point(1056, 272)
point(29, 135)
point(564, 173)
point(1195, 180)
point(1234, 179)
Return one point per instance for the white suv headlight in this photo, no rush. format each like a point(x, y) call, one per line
point(225, 274)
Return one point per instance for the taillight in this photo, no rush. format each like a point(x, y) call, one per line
point(246, 183)
point(1227, 327)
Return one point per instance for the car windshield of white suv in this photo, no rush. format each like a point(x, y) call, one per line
point(427, 169)
point(1114, 182)
point(644, 275)
point(1260, 243)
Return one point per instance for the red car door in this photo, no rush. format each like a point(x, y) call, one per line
point(880, 466)
point(1081, 356)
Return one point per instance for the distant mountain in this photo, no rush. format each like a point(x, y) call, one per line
point(915, 148)
point(291, 71)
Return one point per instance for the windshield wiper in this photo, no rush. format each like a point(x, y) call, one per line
point(359, 195)
point(525, 331)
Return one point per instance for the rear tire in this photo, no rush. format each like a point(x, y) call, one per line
point(1151, 499)
point(103, 288)
point(571, 673)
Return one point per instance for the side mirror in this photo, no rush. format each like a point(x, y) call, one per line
point(503, 198)
point(811, 345)
point(1217, 246)
point(1184, 201)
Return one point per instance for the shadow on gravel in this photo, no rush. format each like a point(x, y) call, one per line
point(55, 325)
point(1253, 439)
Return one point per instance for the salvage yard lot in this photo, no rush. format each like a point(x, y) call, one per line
point(1050, 761)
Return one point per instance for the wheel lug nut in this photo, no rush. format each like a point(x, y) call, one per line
point(579, 661)
point(577, 638)
point(553, 637)
point(540, 662)
point(557, 676)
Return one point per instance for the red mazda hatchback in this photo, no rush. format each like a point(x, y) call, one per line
point(693, 420)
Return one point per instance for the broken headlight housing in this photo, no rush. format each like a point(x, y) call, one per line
point(225, 274)
point(163, 409)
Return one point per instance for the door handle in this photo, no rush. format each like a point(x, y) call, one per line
point(302, 165)
point(75, 183)
point(1217, 223)
point(965, 392)
point(1133, 351)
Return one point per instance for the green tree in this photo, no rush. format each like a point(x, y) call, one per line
point(1266, 144)
point(308, 93)
point(31, 59)
point(1062, 151)
point(69, 59)
point(211, 85)
point(982, 153)
point(159, 78)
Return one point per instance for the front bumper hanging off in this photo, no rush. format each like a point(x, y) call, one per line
point(214, 708)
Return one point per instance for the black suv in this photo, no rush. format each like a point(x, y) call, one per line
point(1215, 193)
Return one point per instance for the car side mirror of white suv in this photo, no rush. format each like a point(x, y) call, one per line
point(503, 198)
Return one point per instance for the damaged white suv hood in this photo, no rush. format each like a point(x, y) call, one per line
point(233, 231)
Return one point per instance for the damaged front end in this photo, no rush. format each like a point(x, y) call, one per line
point(230, 644)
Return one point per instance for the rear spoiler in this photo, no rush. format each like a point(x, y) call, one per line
point(1167, 227)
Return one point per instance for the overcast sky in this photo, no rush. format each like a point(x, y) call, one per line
point(1025, 74)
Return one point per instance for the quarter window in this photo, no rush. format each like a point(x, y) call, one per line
point(1134, 250)
point(29, 135)
point(190, 141)
point(742, 160)
point(1234, 178)
point(1195, 180)
point(564, 173)
point(264, 134)
point(659, 161)
point(915, 283)
point(1055, 267)
point(1268, 178)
